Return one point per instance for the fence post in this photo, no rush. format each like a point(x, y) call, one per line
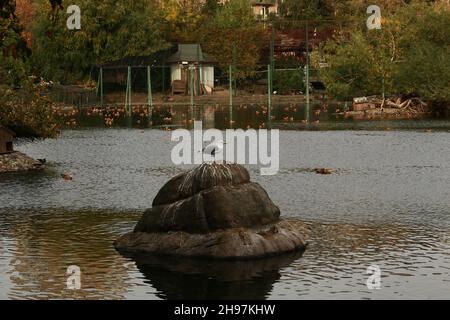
point(191, 90)
point(100, 86)
point(307, 74)
point(128, 93)
point(269, 92)
point(150, 95)
point(231, 95)
point(164, 79)
point(234, 69)
point(272, 49)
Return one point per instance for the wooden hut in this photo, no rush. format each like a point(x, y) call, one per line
point(191, 58)
point(6, 140)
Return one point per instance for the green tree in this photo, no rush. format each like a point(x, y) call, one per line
point(425, 64)
point(233, 36)
point(409, 54)
point(22, 106)
point(352, 71)
point(13, 48)
point(184, 19)
point(110, 30)
point(210, 8)
point(303, 9)
point(27, 111)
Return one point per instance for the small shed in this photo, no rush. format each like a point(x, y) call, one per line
point(191, 58)
point(6, 140)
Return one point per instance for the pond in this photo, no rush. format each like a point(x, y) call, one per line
point(386, 205)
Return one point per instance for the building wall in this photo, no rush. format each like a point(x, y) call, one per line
point(206, 74)
point(5, 139)
point(175, 72)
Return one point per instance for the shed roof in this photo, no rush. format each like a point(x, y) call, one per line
point(190, 53)
point(185, 52)
point(263, 2)
point(157, 58)
point(133, 61)
point(9, 131)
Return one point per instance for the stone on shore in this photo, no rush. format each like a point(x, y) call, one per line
point(17, 161)
point(213, 211)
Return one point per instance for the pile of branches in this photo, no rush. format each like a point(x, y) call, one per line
point(411, 104)
point(404, 104)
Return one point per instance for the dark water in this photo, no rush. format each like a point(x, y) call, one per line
point(323, 116)
point(387, 204)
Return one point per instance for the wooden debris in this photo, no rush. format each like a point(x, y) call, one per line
point(323, 171)
point(402, 104)
point(67, 177)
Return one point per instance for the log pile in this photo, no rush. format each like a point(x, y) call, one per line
point(412, 105)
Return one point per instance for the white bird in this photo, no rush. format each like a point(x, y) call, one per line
point(214, 147)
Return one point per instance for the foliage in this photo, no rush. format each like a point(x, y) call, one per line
point(409, 54)
point(26, 12)
point(303, 9)
point(12, 47)
point(183, 19)
point(22, 107)
point(425, 64)
point(288, 81)
point(110, 30)
point(27, 111)
point(233, 37)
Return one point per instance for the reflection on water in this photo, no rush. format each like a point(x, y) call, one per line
point(386, 204)
point(37, 248)
point(244, 115)
point(204, 279)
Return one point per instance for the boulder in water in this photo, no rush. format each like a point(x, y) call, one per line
point(212, 211)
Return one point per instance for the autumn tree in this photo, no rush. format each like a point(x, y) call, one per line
point(13, 48)
point(183, 19)
point(26, 12)
point(234, 37)
point(23, 106)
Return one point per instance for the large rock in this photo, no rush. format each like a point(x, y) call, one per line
point(220, 207)
point(236, 243)
point(212, 211)
point(203, 177)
